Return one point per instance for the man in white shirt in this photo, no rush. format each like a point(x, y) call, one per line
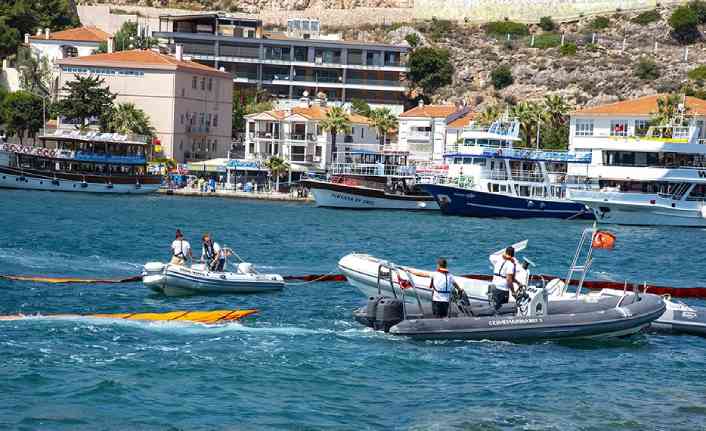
point(181, 250)
point(505, 271)
point(212, 254)
point(442, 285)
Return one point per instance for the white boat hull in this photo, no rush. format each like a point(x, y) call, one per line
point(177, 280)
point(338, 199)
point(10, 181)
point(647, 215)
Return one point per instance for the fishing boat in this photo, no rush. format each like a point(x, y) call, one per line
point(536, 316)
point(75, 161)
point(364, 179)
point(491, 178)
point(658, 179)
point(177, 280)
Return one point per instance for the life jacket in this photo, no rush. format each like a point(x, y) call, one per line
point(181, 249)
point(447, 289)
point(500, 270)
point(210, 252)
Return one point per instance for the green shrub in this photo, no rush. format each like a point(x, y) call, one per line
point(547, 40)
point(501, 77)
point(501, 28)
point(698, 73)
point(647, 17)
point(430, 68)
point(684, 22)
point(547, 24)
point(568, 49)
point(647, 69)
point(699, 8)
point(441, 28)
point(413, 40)
point(600, 22)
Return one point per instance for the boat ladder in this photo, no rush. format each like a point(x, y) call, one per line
point(583, 251)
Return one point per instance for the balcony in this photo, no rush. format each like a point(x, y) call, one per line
point(310, 137)
point(375, 82)
point(197, 128)
point(275, 77)
point(303, 158)
point(247, 76)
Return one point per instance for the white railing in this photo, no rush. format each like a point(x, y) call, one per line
point(372, 169)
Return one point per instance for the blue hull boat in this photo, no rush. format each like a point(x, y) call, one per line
point(470, 203)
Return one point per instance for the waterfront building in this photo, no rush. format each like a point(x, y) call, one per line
point(642, 173)
point(74, 42)
point(296, 136)
point(290, 64)
point(189, 104)
point(426, 131)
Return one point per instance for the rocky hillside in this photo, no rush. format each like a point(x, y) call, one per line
point(623, 60)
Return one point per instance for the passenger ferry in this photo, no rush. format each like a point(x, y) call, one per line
point(656, 179)
point(366, 179)
point(491, 178)
point(73, 161)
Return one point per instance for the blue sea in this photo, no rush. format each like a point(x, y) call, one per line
point(302, 362)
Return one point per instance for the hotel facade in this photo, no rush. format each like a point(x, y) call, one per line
point(292, 64)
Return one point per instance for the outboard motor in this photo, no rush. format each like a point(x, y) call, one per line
point(384, 312)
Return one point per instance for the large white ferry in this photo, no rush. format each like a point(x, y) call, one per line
point(491, 178)
point(655, 179)
point(72, 161)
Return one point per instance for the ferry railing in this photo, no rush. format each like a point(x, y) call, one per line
point(371, 169)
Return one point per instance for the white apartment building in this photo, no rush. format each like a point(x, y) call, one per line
point(296, 136)
point(612, 134)
point(426, 131)
point(74, 42)
point(190, 105)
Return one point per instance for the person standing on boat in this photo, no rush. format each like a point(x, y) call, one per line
point(181, 250)
point(504, 276)
point(212, 254)
point(442, 285)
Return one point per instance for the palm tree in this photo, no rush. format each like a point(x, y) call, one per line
point(126, 118)
point(668, 110)
point(384, 121)
point(556, 109)
point(277, 167)
point(489, 115)
point(336, 122)
point(527, 114)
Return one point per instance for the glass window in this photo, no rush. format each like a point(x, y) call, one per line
point(203, 83)
point(215, 120)
point(584, 128)
point(641, 127)
point(618, 128)
point(193, 82)
point(210, 84)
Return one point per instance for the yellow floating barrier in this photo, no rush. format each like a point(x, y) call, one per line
point(207, 317)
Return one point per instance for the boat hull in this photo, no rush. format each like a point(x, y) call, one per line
point(611, 213)
point(344, 196)
point(681, 319)
point(470, 203)
point(179, 281)
point(29, 182)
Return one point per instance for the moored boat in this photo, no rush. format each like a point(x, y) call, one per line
point(371, 180)
point(73, 161)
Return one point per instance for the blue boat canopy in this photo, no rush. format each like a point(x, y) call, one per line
point(525, 154)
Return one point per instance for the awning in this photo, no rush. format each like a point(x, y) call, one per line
point(213, 165)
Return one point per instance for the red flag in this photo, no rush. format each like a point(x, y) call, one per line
point(404, 284)
point(603, 239)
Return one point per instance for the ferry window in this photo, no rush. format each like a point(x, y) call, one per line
point(181, 118)
point(584, 128)
point(482, 142)
point(618, 128)
point(698, 192)
point(458, 160)
point(641, 127)
point(193, 82)
point(477, 161)
point(183, 92)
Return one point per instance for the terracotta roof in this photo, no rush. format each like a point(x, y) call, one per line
point(314, 112)
point(463, 121)
point(140, 59)
point(641, 106)
point(430, 111)
point(80, 34)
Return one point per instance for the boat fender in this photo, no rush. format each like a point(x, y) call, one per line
point(703, 211)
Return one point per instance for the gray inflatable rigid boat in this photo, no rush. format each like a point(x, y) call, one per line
point(610, 313)
point(682, 319)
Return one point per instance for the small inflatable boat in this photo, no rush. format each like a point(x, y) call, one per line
point(174, 280)
point(603, 314)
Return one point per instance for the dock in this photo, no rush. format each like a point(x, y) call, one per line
point(267, 196)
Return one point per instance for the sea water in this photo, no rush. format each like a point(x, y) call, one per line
point(303, 362)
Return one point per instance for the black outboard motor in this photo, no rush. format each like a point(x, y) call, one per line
point(384, 312)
